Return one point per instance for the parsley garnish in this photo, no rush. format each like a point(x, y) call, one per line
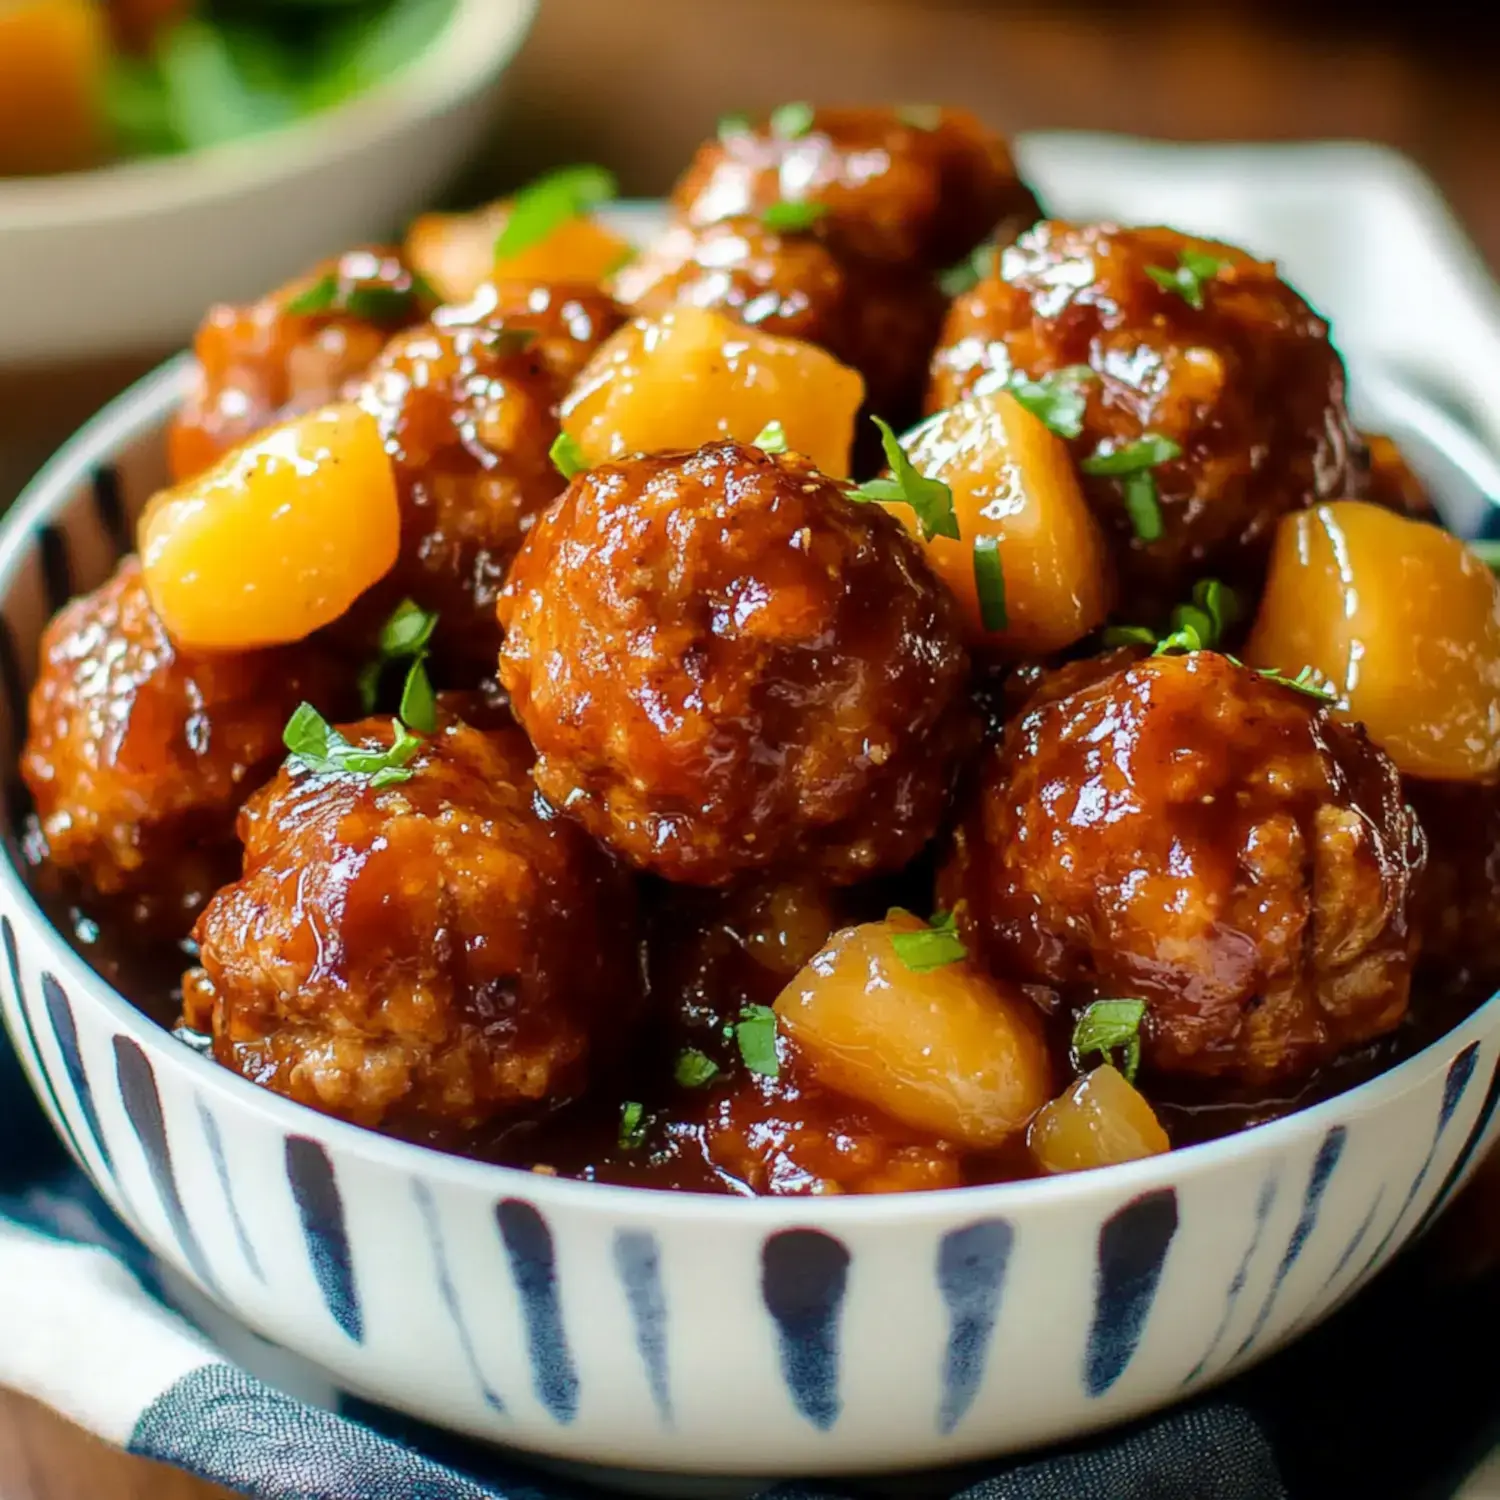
point(920, 116)
point(790, 121)
point(989, 582)
point(771, 438)
point(931, 499)
point(694, 1068)
point(1132, 464)
point(567, 457)
point(1487, 550)
point(542, 206)
point(1187, 277)
point(372, 301)
point(1108, 1025)
point(938, 944)
point(404, 637)
point(633, 1123)
point(735, 124)
point(1055, 400)
point(968, 273)
point(755, 1035)
point(318, 747)
point(1128, 635)
point(1199, 626)
point(792, 218)
point(1306, 681)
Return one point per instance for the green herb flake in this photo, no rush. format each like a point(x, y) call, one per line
point(320, 749)
point(771, 438)
point(755, 1035)
point(932, 948)
point(989, 583)
point(969, 272)
point(418, 701)
point(404, 637)
point(549, 202)
point(1056, 400)
point(1487, 550)
point(792, 121)
point(1128, 635)
point(1132, 463)
point(792, 218)
point(931, 499)
point(733, 125)
point(372, 302)
point(407, 631)
point(1307, 681)
point(567, 457)
point(633, 1123)
point(1187, 278)
point(694, 1069)
point(1108, 1026)
point(920, 116)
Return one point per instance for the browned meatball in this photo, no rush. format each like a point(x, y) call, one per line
point(918, 187)
point(881, 321)
point(726, 665)
point(436, 952)
point(1188, 832)
point(1247, 386)
point(140, 753)
point(265, 361)
point(569, 320)
point(1458, 902)
point(466, 411)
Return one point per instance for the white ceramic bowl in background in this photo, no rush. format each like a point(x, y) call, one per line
point(123, 259)
point(660, 1331)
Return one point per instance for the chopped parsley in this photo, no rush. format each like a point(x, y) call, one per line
point(373, 301)
point(931, 499)
point(791, 121)
point(319, 748)
point(732, 125)
point(1056, 400)
point(1186, 279)
point(404, 637)
point(1129, 635)
point(1487, 550)
point(694, 1068)
point(933, 947)
point(567, 457)
point(989, 582)
point(1203, 624)
point(920, 116)
point(792, 218)
point(755, 1035)
point(968, 273)
point(1132, 464)
point(771, 438)
point(1308, 681)
point(633, 1123)
point(549, 202)
point(1108, 1026)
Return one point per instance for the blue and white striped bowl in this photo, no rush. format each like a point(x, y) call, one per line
point(659, 1331)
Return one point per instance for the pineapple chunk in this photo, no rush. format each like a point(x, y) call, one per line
point(694, 376)
point(277, 539)
point(1100, 1122)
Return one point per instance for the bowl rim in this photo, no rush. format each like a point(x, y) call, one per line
point(478, 39)
point(143, 407)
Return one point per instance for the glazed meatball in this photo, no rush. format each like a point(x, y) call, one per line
point(917, 188)
point(259, 363)
point(883, 322)
point(727, 666)
point(569, 321)
point(1246, 385)
point(1458, 903)
point(433, 953)
point(140, 753)
point(466, 411)
point(1191, 833)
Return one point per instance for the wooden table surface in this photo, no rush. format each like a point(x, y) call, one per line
point(636, 84)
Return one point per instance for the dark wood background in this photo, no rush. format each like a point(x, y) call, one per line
point(635, 84)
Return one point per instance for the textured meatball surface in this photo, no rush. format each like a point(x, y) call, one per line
point(1247, 386)
point(466, 411)
point(430, 953)
point(726, 665)
point(914, 188)
point(881, 321)
point(139, 754)
point(262, 362)
point(1188, 832)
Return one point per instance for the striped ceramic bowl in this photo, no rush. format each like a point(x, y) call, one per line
point(659, 1331)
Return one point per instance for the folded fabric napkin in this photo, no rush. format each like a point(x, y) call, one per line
point(1397, 1395)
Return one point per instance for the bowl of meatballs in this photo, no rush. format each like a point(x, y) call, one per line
point(858, 832)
